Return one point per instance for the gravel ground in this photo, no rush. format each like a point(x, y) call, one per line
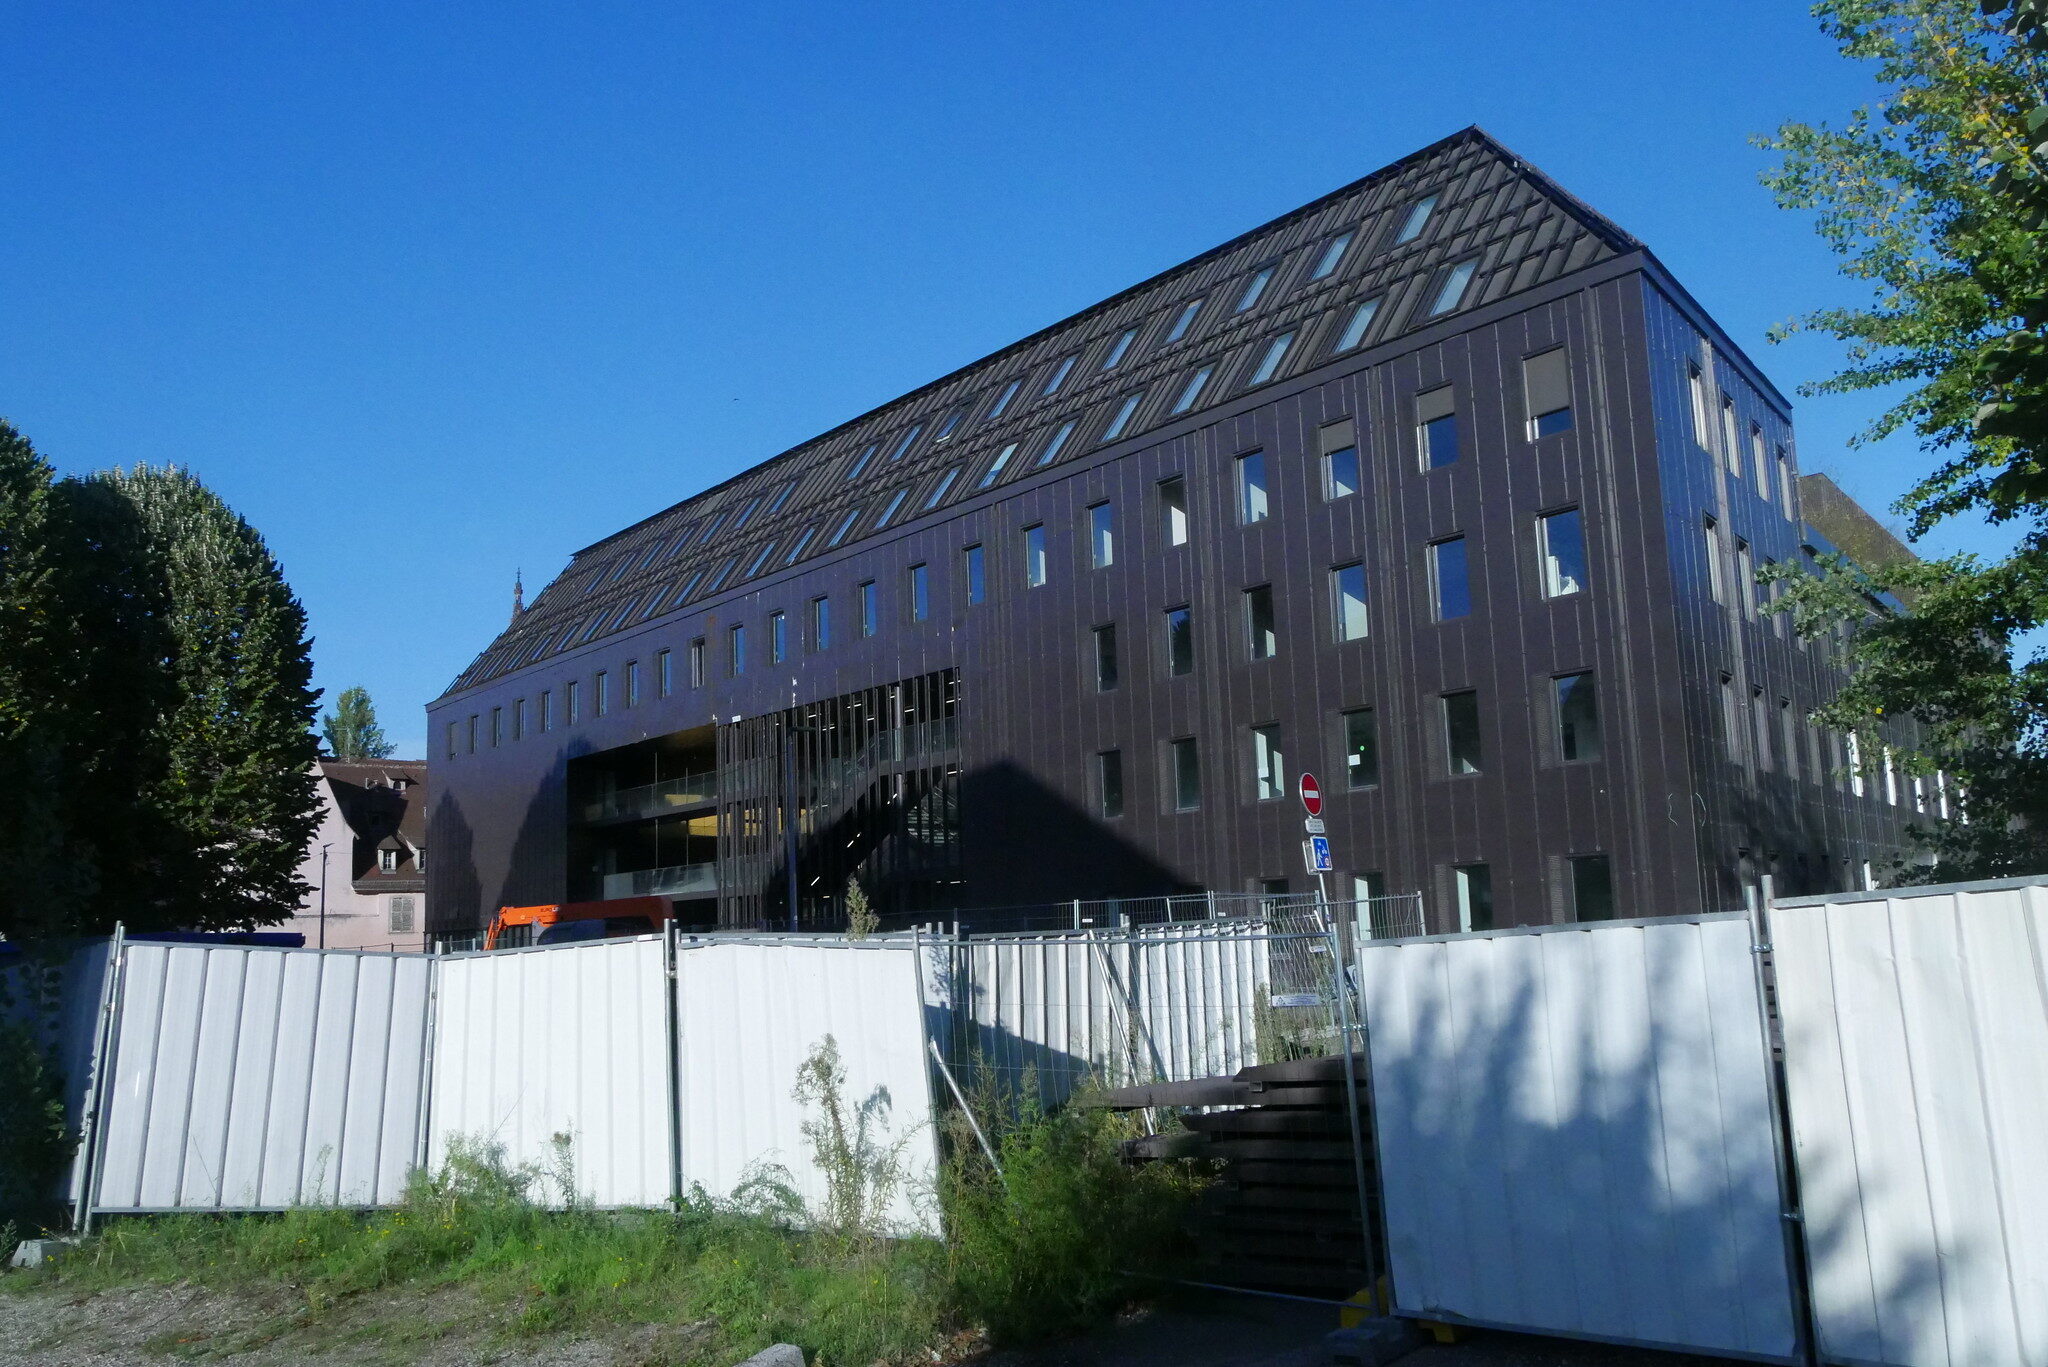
point(54, 1328)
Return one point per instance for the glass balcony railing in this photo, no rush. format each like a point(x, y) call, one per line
point(676, 880)
point(652, 799)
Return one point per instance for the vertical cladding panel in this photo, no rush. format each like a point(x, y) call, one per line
point(242, 1081)
point(748, 1017)
point(1574, 1134)
point(1916, 1055)
point(556, 1056)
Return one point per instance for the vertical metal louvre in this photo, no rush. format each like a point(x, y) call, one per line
point(259, 1079)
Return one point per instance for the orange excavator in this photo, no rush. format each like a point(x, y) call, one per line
point(561, 922)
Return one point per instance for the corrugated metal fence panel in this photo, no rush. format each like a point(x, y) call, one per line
point(250, 1078)
point(1916, 1060)
point(747, 1017)
point(1575, 1133)
point(60, 999)
point(1039, 1007)
point(559, 1057)
point(1199, 986)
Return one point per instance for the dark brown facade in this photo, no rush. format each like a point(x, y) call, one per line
point(1336, 468)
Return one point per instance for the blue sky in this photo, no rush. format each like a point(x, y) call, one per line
point(435, 292)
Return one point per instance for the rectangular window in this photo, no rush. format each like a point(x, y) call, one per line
point(736, 649)
point(860, 462)
point(870, 609)
point(1731, 718)
point(821, 623)
point(939, 490)
point(1461, 731)
point(845, 525)
point(1357, 325)
point(781, 497)
point(1117, 348)
point(1760, 724)
point(497, 726)
point(1788, 736)
point(1578, 717)
point(1347, 600)
point(1592, 879)
point(697, 662)
point(1255, 288)
point(920, 593)
point(1102, 535)
point(664, 672)
point(1341, 474)
point(1361, 748)
point(1261, 638)
point(401, 915)
point(602, 694)
point(1416, 221)
point(1759, 454)
point(1745, 580)
point(1785, 484)
point(1182, 321)
point(1058, 442)
point(950, 425)
point(1436, 428)
point(1696, 395)
point(1333, 252)
point(1547, 391)
point(995, 467)
point(547, 710)
point(1561, 545)
point(1003, 401)
point(387, 861)
point(778, 638)
point(1105, 658)
point(1180, 641)
point(572, 700)
point(1270, 362)
point(1729, 448)
point(1269, 768)
point(1192, 391)
point(1058, 377)
point(632, 683)
point(1034, 556)
point(454, 734)
point(1124, 413)
point(889, 508)
point(1854, 764)
point(1366, 887)
point(1475, 896)
point(1449, 582)
point(1716, 590)
point(1252, 502)
point(1187, 774)
point(1452, 293)
point(1109, 783)
point(977, 585)
point(1173, 510)
point(746, 515)
point(903, 445)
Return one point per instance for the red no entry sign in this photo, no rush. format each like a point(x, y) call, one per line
point(1311, 795)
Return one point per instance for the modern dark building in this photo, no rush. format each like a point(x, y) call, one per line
point(1439, 487)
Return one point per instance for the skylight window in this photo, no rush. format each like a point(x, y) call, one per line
point(1276, 353)
point(1003, 402)
point(939, 490)
point(1333, 252)
point(1417, 220)
point(797, 547)
point(1118, 348)
point(1453, 292)
point(904, 444)
point(760, 559)
point(1359, 324)
point(653, 551)
point(1197, 382)
point(1255, 288)
point(718, 580)
point(845, 526)
point(1124, 413)
point(781, 497)
point(746, 514)
point(1059, 376)
point(895, 502)
point(995, 469)
point(860, 462)
point(1184, 321)
point(689, 587)
point(952, 421)
point(711, 529)
point(1059, 439)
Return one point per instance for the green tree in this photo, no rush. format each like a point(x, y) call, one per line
point(1931, 197)
point(351, 730)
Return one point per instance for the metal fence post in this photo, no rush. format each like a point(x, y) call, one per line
point(672, 1036)
point(94, 1140)
point(1793, 1224)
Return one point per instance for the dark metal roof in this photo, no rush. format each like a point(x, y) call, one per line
point(934, 446)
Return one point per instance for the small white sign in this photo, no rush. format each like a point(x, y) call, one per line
point(1313, 825)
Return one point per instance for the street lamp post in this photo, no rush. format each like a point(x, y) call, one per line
point(323, 897)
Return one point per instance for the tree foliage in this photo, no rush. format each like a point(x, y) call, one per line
point(351, 730)
point(1933, 198)
point(155, 707)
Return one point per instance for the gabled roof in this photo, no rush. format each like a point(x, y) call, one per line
point(917, 454)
